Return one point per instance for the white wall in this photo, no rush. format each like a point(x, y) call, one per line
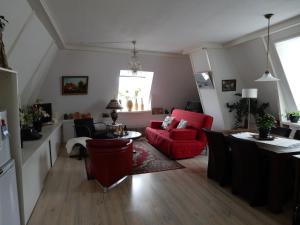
point(214, 100)
point(29, 47)
point(172, 85)
point(250, 61)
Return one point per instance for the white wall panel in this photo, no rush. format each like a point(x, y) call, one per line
point(16, 12)
point(172, 85)
point(33, 87)
point(29, 50)
point(250, 61)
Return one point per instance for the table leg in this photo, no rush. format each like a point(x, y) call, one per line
point(275, 197)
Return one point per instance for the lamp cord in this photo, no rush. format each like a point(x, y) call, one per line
point(268, 44)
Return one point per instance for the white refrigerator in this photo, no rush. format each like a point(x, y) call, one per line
point(9, 206)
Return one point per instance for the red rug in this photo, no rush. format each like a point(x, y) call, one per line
point(147, 159)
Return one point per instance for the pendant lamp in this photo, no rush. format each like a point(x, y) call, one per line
point(134, 64)
point(267, 76)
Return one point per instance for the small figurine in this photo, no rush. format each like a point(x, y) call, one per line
point(3, 58)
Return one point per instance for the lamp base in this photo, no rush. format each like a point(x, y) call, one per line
point(114, 116)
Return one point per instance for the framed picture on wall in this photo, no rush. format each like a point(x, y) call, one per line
point(204, 79)
point(74, 85)
point(229, 85)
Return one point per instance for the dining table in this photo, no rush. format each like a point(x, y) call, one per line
point(279, 153)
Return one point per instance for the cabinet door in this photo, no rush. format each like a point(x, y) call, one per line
point(34, 173)
point(68, 130)
point(55, 143)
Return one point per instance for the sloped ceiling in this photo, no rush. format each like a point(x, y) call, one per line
point(166, 26)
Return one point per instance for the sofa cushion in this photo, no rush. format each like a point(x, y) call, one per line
point(172, 125)
point(167, 121)
point(182, 124)
point(183, 134)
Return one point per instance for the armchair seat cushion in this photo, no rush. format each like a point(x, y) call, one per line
point(183, 134)
point(156, 124)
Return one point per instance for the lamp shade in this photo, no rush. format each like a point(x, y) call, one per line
point(113, 104)
point(267, 76)
point(249, 93)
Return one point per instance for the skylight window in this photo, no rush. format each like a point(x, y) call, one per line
point(289, 55)
point(135, 88)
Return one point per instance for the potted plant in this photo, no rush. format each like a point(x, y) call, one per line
point(241, 107)
point(264, 124)
point(294, 116)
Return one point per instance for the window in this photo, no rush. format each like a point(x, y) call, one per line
point(289, 55)
point(137, 88)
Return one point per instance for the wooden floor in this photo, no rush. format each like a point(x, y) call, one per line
point(183, 196)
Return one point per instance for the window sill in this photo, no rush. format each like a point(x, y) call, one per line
point(125, 111)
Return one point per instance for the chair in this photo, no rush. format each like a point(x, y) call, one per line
point(109, 160)
point(219, 158)
point(281, 131)
point(249, 171)
point(297, 135)
point(86, 128)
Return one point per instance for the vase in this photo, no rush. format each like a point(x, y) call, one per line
point(37, 125)
point(142, 104)
point(136, 105)
point(264, 132)
point(294, 119)
point(129, 105)
point(3, 58)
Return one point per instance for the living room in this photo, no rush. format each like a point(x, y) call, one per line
point(159, 77)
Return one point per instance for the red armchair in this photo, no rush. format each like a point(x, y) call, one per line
point(180, 143)
point(109, 160)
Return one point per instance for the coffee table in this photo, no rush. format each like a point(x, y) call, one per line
point(132, 135)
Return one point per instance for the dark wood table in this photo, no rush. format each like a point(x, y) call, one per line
point(280, 177)
point(296, 219)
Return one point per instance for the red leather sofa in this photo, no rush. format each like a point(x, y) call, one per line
point(180, 143)
point(109, 160)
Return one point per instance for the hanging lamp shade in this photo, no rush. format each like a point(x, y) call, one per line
point(267, 76)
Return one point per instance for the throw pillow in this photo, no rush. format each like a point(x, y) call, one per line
point(166, 122)
point(172, 125)
point(182, 124)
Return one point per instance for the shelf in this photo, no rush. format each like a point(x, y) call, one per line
point(7, 71)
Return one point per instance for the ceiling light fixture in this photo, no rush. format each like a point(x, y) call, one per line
point(267, 76)
point(134, 63)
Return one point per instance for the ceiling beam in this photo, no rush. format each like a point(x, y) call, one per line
point(295, 21)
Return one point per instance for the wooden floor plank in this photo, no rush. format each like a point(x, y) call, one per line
point(176, 197)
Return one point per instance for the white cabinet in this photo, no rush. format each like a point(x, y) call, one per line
point(38, 156)
point(34, 173)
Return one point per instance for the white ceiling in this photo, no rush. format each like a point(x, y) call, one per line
point(164, 25)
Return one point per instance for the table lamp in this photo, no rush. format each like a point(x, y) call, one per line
point(249, 93)
point(114, 105)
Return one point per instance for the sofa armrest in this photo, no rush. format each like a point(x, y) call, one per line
point(183, 134)
point(156, 124)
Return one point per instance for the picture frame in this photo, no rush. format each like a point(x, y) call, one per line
point(204, 80)
point(229, 85)
point(157, 111)
point(74, 85)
